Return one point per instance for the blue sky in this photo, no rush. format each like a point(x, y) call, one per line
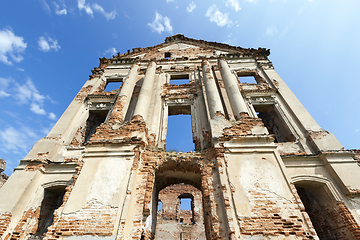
point(48, 47)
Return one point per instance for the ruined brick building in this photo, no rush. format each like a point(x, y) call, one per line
point(262, 167)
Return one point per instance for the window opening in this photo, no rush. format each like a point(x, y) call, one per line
point(274, 123)
point(53, 199)
point(160, 206)
point(323, 211)
point(179, 79)
point(247, 79)
point(185, 203)
point(179, 136)
point(113, 84)
point(94, 120)
point(186, 212)
point(167, 55)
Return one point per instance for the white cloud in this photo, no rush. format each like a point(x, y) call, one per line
point(4, 83)
point(4, 94)
point(191, 7)
point(52, 116)
point(161, 24)
point(111, 51)
point(15, 140)
point(167, 1)
point(83, 6)
point(108, 16)
point(46, 6)
point(271, 30)
point(46, 44)
point(221, 19)
point(27, 93)
point(234, 4)
point(11, 46)
point(35, 108)
point(58, 11)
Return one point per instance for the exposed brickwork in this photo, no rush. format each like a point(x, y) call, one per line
point(117, 112)
point(241, 128)
point(154, 164)
point(330, 222)
point(94, 219)
point(83, 93)
point(35, 165)
point(4, 222)
point(349, 220)
point(121, 133)
point(172, 220)
point(267, 217)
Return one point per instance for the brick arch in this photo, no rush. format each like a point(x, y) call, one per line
point(178, 169)
point(325, 207)
point(318, 180)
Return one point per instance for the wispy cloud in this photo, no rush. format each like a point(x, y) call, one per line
point(15, 140)
point(234, 4)
point(160, 24)
point(58, 11)
point(111, 51)
point(271, 30)
point(45, 6)
point(82, 5)
point(11, 46)
point(191, 7)
point(52, 116)
point(4, 84)
point(47, 43)
point(108, 16)
point(35, 108)
point(167, 1)
point(221, 19)
point(26, 94)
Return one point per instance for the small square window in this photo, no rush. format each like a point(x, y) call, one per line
point(168, 55)
point(179, 79)
point(113, 84)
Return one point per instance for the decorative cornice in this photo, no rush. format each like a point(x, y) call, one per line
point(260, 53)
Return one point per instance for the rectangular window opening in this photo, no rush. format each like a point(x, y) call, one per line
point(247, 79)
point(167, 55)
point(274, 123)
point(95, 119)
point(179, 79)
point(113, 84)
point(185, 203)
point(179, 136)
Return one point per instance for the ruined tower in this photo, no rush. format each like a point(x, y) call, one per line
point(262, 167)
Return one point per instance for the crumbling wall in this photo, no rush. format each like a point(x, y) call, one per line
point(3, 176)
point(329, 221)
point(184, 224)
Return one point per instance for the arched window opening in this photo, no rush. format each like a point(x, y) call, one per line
point(179, 217)
point(160, 206)
point(53, 199)
point(323, 211)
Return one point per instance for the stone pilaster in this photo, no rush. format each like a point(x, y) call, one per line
point(212, 94)
point(144, 99)
point(236, 100)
